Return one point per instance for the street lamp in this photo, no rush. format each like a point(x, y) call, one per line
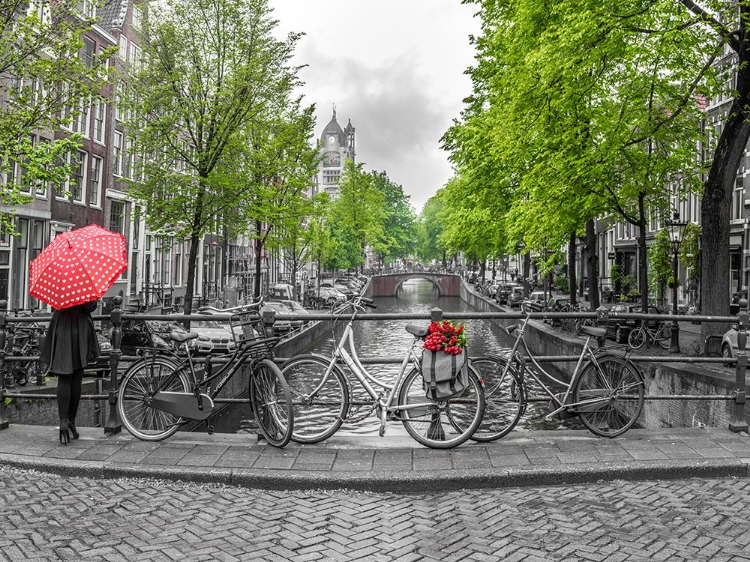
point(676, 230)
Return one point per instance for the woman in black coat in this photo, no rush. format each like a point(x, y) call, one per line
point(70, 345)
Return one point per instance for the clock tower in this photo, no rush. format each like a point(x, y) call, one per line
point(335, 145)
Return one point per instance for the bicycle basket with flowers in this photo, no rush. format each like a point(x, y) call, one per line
point(444, 361)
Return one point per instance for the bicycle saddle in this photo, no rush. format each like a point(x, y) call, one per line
point(418, 331)
point(180, 337)
point(596, 332)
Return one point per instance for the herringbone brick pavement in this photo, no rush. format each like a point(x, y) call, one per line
point(50, 517)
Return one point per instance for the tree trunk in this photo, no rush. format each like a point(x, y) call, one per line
point(572, 268)
point(190, 285)
point(526, 273)
point(642, 254)
point(258, 257)
point(592, 264)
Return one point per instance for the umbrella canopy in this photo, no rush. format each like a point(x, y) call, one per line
point(78, 266)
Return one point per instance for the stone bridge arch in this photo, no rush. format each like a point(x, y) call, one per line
point(387, 285)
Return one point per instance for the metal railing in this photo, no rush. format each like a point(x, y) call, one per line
point(116, 317)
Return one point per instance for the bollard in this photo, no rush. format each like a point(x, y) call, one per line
point(436, 315)
point(114, 424)
point(738, 423)
point(3, 416)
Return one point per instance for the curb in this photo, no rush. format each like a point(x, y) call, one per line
point(393, 481)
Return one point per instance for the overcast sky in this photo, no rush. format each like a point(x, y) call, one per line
point(396, 69)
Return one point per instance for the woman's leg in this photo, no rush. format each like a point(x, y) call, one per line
point(75, 400)
point(63, 405)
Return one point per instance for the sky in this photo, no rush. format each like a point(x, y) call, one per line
point(395, 68)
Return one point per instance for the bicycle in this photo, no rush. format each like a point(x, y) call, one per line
point(662, 335)
point(605, 390)
point(160, 393)
point(322, 394)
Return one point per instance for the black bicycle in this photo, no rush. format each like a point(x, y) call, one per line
point(160, 393)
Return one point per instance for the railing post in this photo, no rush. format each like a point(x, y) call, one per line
point(114, 424)
point(436, 315)
point(738, 422)
point(10, 340)
point(3, 366)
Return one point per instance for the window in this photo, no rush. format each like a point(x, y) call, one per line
point(134, 58)
point(82, 124)
point(137, 19)
point(87, 8)
point(41, 186)
point(117, 217)
point(89, 49)
point(99, 116)
point(117, 163)
point(96, 181)
point(123, 48)
point(129, 160)
point(79, 176)
point(738, 196)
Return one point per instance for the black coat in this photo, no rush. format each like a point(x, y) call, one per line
point(71, 341)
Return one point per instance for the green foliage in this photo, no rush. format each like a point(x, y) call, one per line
point(562, 283)
point(660, 264)
point(616, 273)
point(399, 221)
point(42, 80)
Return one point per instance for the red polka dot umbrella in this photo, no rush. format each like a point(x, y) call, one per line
point(78, 266)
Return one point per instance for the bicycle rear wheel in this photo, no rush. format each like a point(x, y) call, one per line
point(271, 401)
point(611, 395)
point(444, 424)
point(504, 398)
point(636, 338)
point(142, 379)
point(317, 415)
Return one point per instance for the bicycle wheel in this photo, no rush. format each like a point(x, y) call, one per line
point(664, 336)
point(504, 398)
point(316, 416)
point(271, 401)
point(443, 424)
point(139, 383)
point(611, 392)
point(637, 337)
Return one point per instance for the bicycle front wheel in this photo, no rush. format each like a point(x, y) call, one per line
point(504, 398)
point(319, 409)
point(440, 424)
point(636, 338)
point(271, 401)
point(609, 396)
point(140, 382)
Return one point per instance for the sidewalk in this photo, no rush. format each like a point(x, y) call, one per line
point(392, 463)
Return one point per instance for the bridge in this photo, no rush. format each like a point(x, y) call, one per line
point(387, 285)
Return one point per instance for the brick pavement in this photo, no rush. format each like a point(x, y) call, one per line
point(392, 463)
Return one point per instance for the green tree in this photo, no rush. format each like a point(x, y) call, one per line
point(399, 222)
point(359, 212)
point(210, 70)
point(660, 265)
point(430, 229)
point(43, 84)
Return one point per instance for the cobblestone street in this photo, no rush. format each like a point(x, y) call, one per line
point(50, 517)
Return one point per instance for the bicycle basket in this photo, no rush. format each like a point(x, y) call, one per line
point(249, 333)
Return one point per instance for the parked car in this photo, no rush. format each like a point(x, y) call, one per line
point(296, 308)
point(281, 291)
point(729, 345)
point(556, 304)
point(213, 337)
point(619, 328)
point(138, 333)
point(504, 291)
point(330, 295)
point(516, 297)
point(280, 327)
point(536, 302)
point(101, 366)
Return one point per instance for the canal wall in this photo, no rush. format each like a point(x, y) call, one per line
point(662, 379)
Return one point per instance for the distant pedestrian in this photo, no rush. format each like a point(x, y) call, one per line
point(70, 345)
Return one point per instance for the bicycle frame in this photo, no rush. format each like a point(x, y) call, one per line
point(351, 359)
point(562, 403)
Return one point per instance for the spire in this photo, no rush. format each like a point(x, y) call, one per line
point(334, 111)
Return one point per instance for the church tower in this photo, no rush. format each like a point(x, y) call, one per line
point(336, 145)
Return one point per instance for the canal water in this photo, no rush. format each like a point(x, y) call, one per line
point(379, 338)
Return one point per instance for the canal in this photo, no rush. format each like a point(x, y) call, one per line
point(389, 338)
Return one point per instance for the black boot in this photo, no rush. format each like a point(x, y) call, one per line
point(73, 430)
point(64, 434)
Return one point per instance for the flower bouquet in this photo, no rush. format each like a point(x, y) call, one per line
point(446, 336)
point(444, 366)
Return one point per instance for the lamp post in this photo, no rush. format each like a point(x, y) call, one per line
point(676, 229)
